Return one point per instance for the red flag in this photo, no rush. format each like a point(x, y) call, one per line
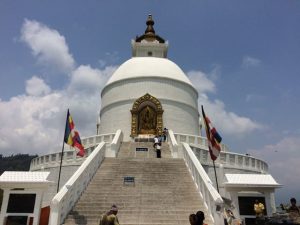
point(72, 137)
point(213, 137)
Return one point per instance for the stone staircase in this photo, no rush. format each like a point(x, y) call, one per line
point(163, 192)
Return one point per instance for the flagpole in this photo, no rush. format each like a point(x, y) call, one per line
point(62, 155)
point(200, 125)
point(216, 177)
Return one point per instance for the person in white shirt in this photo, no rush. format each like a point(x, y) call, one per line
point(157, 146)
point(158, 150)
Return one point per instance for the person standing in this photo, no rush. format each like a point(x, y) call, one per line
point(200, 218)
point(165, 134)
point(156, 141)
point(294, 212)
point(160, 138)
point(110, 218)
point(293, 207)
point(193, 219)
point(158, 150)
point(157, 146)
point(259, 210)
point(230, 217)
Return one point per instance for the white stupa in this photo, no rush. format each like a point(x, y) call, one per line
point(149, 92)
point(146, 94)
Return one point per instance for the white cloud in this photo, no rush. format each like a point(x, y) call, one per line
point(201, 82)
point(215, 72)
point(250, 62)
point(36, 87)
point(283, 158)
point(227, 122)
point(34, 123)
point(88, 80)
point(29, 123)
point(102, 63)
point(47, 45)
point(110, 58)
point(255, 98)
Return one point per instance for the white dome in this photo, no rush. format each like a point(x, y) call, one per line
point(137, 67)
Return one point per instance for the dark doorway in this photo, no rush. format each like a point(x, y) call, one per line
point(246, 205)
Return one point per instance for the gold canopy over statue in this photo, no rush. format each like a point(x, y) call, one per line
point(146, 116)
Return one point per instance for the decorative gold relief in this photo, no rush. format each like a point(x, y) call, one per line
point(146, 116)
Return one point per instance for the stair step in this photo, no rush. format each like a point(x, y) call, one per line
point(163, 192)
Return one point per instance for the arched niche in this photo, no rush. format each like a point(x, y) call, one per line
point(146, 116)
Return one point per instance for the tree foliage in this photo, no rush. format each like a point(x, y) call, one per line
point(19, 162)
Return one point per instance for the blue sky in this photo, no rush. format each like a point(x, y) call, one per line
point(242, 56)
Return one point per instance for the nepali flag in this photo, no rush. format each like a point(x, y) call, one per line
point(72, 136)
point(213, 137)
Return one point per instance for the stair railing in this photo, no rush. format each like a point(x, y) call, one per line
point(211, 198)
point(65, 199)
point(116, 143)
point(173, 144)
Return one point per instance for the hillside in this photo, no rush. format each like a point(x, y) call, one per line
point(20, 162)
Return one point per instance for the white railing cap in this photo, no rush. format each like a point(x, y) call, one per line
point(207, 182)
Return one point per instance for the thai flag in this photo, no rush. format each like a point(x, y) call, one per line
point(213, 137)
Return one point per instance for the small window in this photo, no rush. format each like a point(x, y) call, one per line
point(149, 53)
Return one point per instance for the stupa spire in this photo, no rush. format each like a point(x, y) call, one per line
point(149, 44)
point(149, 34)
point(150, 23)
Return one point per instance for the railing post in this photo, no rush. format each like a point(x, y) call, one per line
point(115, 144)
point(174, 145)
point(54, 218)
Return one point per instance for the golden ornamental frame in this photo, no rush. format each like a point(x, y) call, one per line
point(135, 110)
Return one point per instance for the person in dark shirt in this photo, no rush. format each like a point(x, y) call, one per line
point(293, 207)
point(293, 210)
point(193, 219)
point(165, 134)
point(200, 218)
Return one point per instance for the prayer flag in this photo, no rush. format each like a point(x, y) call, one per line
point(72, 137)
point(213, 137)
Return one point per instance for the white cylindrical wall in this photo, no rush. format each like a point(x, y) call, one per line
point(178, 100)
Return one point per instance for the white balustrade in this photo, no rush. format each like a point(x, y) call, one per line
point(96, 139)
point(70, 157)
point(211, 198)
point(198, 140)
point(65, 199)
point(229, 159)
